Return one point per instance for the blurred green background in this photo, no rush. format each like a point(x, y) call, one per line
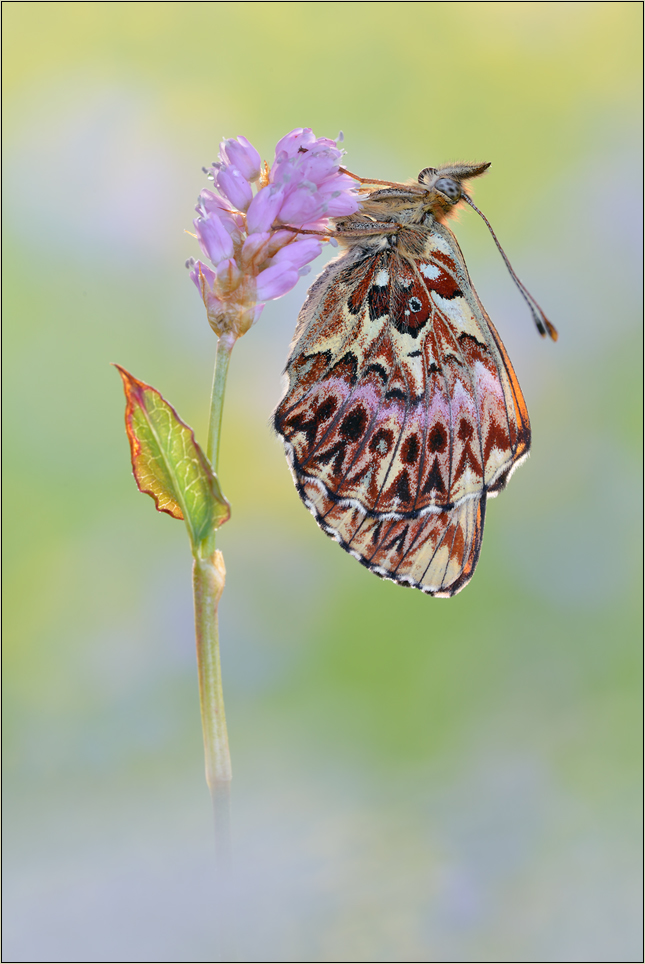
point(415, 779)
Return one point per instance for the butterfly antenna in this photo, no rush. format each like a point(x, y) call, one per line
point(542, 323)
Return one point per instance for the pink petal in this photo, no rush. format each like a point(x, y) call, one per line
point(299, 253)
point(241, 154)
point(263, 210)
point(214, 239)
point(233, 185)
point(275, 281)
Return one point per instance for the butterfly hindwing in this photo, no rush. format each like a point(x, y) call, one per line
point(402, 412)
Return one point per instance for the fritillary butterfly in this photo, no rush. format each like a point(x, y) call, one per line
point(402, 413)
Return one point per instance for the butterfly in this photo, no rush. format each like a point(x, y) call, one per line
point(402, 414)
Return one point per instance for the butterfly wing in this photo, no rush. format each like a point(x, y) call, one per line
point(402, 413)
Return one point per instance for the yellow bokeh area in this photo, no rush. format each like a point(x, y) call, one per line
point(415, 779)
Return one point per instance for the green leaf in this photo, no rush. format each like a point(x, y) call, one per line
point(167, 462)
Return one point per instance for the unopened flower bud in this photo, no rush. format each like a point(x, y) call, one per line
point(341, 205)
point(299, 253)
point(214, 239)
point(275, 281)
point(241, 154)
point(292, 142)
point(263, 210)
point(235, 187)
point(202, 276)
point(210, 203)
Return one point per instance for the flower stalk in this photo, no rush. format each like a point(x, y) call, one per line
point(208, 583)
point(225, 345)
point(250, 233)
point(209, 576)
point(258, 231)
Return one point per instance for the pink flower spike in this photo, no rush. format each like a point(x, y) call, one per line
point(263, 210)
point(231, 183)
point(299, 253)
point(241, 154)
point(214, 239)
point(275, 281)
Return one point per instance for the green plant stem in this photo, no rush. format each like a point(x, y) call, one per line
point(208, 583)
point(224, 348)
point(209, 576)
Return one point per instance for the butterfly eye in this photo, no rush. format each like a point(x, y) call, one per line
point(451, 189)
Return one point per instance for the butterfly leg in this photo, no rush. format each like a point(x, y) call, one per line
point(288, 227)
point(354, 230)
point(358, 229)
point(371, 180)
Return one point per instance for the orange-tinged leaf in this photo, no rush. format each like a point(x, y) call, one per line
point(167, 462)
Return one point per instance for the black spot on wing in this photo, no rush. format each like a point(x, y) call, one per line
point(346, 368)
point(464, 338)
point(396, 394)
point(434, 482)
point(410, 450)
point(437, 439)
point(309, 426)
point(402, 490)
point(378, 370)
point(398, 542)
point(382, 441)
point(354, 424)
point(378, 302)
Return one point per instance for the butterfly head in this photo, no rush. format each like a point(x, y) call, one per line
point(444, 185)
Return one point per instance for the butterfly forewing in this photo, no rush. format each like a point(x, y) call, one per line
point(402, 412)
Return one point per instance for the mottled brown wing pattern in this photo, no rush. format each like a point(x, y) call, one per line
point(402, 413)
